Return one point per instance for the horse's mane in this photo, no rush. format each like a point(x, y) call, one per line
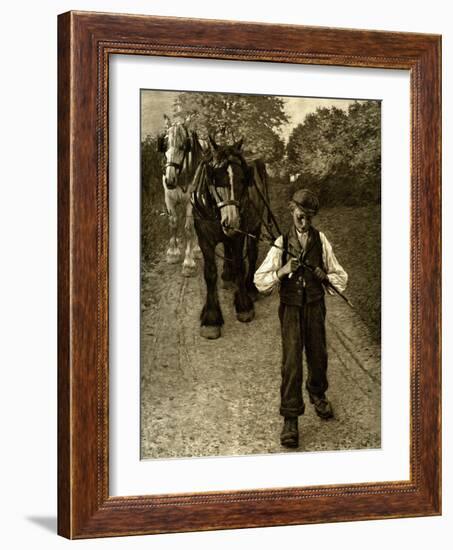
point(177, 135)
point(200, 196)
point(197, 149)
point(224, 152)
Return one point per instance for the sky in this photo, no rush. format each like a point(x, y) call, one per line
point(156, 103)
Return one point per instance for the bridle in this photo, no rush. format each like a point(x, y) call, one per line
point(222, 203)
point(179, 165)
point(199, 206)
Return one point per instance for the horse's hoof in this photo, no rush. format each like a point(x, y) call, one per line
point(188, 271)
point(210, 332)
point(173, 258)
point(246, 316)
point(228, 285)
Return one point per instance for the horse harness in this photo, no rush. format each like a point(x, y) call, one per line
point(213, 186)
point(219, 202)
point(179, 165)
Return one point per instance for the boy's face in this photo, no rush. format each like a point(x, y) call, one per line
point(301, 219)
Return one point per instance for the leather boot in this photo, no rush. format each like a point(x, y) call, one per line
point(290, 434)
point(322, 405)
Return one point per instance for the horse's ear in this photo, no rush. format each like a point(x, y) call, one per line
point(238, 144)
point(213, 143)
point(167, 121)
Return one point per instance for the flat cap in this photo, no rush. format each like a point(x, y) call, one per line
point(307, 200)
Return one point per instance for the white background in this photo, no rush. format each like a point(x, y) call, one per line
point(28, 122)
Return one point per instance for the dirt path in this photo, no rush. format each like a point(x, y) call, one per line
point(221, 397)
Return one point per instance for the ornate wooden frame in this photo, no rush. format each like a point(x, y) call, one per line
point(85, 41)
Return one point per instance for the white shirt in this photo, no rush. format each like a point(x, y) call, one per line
point(266, 278)
point(303, 238)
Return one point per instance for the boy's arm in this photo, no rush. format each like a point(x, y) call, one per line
point(335, 273)
point(266, 278)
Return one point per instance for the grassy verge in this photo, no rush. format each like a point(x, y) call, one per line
point(355, 234)
point(154, 227)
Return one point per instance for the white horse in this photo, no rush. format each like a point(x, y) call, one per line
point(183, 153)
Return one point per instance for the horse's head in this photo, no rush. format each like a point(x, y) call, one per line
point(229, 180)
point(176, 149)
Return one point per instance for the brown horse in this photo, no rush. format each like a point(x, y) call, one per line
point(228, 208)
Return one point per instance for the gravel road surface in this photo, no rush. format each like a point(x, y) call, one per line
point(221, 397)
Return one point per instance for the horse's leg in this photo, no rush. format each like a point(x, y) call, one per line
point(252, 256)
point(242, 301)
point(196, 249)
point(228, 272)
point(211, 315)
point(173, 251)
point(189, 266)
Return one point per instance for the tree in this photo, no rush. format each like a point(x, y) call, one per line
point(317, 145)
point(151, 165)
point(338, 153)
point(365, 146)
point(228, 117)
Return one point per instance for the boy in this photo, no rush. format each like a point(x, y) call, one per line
point(302, 310)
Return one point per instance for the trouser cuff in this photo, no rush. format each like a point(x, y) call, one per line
point(292, 412)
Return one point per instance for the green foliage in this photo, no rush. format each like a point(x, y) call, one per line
point(228, 117)
point(338, 154)
point(355, 234)
point(151, 165)
point(154, 222)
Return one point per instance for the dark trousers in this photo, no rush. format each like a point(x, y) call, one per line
point(302, 327)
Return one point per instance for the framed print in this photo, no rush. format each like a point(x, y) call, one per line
point(249, 275)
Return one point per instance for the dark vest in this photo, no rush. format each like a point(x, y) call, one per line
point(303, 286)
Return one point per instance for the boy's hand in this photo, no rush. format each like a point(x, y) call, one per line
point(290, 267)
point(320, 275)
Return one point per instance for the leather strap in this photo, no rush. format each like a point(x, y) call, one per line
point(227, 203)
